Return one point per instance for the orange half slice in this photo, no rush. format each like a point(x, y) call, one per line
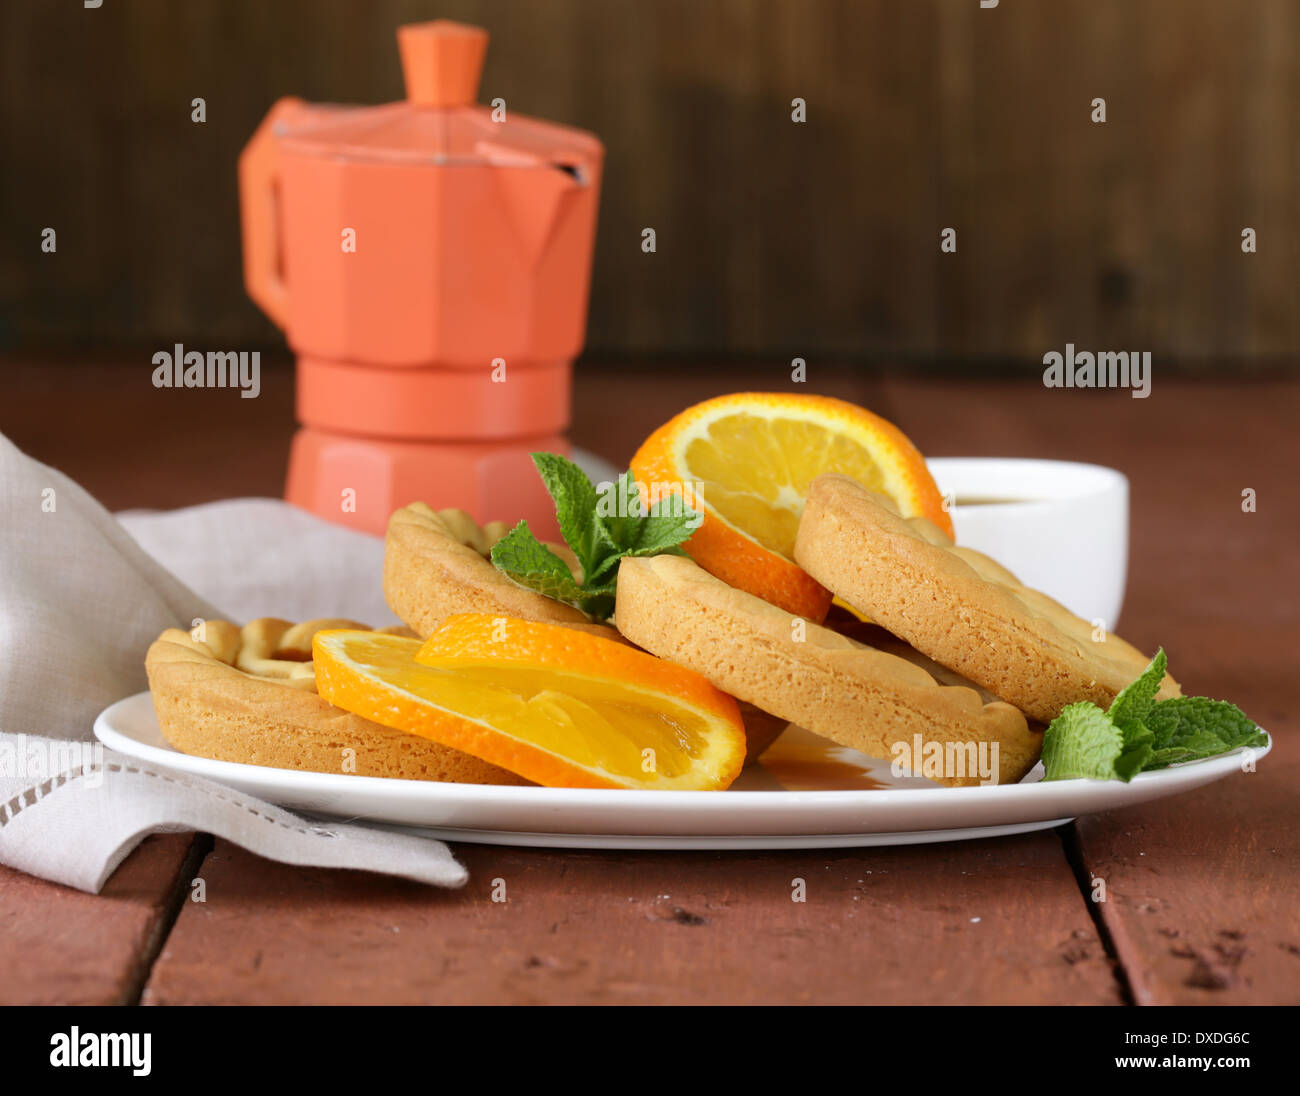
point(557, 706)
point(748, 459)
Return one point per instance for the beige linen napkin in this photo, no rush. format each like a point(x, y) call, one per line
point(80, 602)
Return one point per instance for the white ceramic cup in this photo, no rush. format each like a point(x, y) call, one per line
point(1065, 530)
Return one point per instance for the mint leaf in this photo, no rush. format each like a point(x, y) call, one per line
point(616, 524)
point(530, 563)
point(661, 548)
point(608, 570)
point(619, 512)
point(1188, 728)
point(1082, 742)
point(575, 502)
point(1133, 760)
point(669, 523)
point(1175, 721)
point(630, 531)
point(1162, 759)
point(1129, 710)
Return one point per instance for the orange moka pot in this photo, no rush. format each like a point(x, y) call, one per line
point(429, 262)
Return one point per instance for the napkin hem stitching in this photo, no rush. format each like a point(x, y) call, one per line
point(20, 802)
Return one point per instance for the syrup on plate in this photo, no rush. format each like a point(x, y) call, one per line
point(801, 761)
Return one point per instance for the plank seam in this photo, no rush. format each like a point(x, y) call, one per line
point(1069, 835)
point(202, 844)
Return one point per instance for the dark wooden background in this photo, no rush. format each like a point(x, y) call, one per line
point(775, 239)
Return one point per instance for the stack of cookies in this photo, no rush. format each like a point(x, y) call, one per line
point(969, 657)
point(960, 657)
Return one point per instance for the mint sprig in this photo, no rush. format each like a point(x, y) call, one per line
point(600, 527)
point(1139, 733)
point(530, 563)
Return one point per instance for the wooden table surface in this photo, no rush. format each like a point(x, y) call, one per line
point(1202, 890)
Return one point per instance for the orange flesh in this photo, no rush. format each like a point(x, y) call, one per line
point(540, 713)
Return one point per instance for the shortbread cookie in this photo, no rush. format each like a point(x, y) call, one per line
point(249, 695)
point(436, 565)
point(855, 695)
point(957, 605)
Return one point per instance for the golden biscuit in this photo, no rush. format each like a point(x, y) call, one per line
point(957, 605)
point(855, 695)
point(436, 565)
point(249, 695)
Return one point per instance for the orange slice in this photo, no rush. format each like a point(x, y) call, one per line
point(747, 460)
point(557, 706)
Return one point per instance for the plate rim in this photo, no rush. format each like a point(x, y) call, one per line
point(711, 801)
point(725, 842)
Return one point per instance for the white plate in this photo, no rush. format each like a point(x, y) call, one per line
point(770, 807)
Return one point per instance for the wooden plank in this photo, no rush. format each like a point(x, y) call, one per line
point(1202, 891)
point(987, 921)
point(59, 946)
